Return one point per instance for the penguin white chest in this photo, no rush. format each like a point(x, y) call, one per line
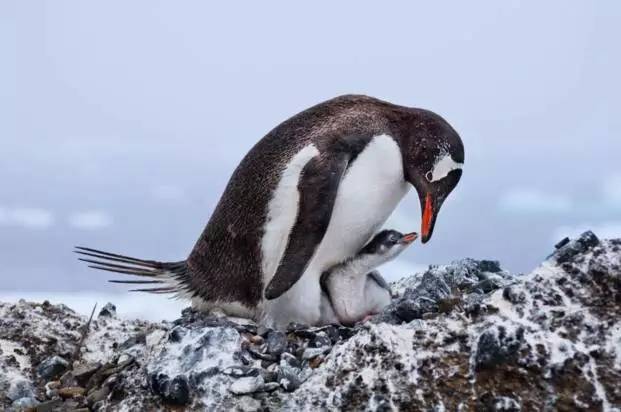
point(368, 193)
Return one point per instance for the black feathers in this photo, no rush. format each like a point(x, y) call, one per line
point(170, 275)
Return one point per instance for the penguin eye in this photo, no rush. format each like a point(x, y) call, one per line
point(429, 176)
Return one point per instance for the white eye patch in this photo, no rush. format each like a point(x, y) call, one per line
point(442, 167)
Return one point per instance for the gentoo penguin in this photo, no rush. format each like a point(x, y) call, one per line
point(307, 196)
point(353, 289)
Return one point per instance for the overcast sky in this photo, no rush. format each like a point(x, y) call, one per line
point(121, 122)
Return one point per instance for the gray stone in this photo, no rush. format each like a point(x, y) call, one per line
point(83, 372)
point(246, 385)
point(108, 311)
point(20, 389)
point(276, 342)
point(25, 403)
point(52, 367)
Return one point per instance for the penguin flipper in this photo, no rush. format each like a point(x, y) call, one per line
point(317, 188)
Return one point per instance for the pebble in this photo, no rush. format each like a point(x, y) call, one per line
point(276, 343)
point(49, 406)
point(257, 339)
point(20, 389)
point(25, 403)
point(177, 334)
point(175, 391)
point(246, 385)
point(138, 339)
point(52, 367)
point(97, 395)
point(270, 387)
point(71, 392)
point(240, 371)
point(310, 353)
point(82, 373)
point(108, 311)
point(262, 356)
point(320, 340)
point(315, 362)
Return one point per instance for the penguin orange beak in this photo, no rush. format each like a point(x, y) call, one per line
point(409, 238)
point(429, 218)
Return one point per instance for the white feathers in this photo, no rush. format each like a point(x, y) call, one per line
point(353, 293)
point(442, 167)
point(282, 212)
point(367, 195)
point(370, 190)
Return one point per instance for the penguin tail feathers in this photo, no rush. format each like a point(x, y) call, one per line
point(164, 277)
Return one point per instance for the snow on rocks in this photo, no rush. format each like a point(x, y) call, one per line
point(464, 336)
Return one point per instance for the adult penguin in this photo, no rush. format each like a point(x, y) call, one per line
point(308, 195)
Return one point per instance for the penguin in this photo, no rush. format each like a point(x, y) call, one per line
point(353, 289)
point(308, 195)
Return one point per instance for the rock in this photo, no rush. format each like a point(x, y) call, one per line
point(51, 389)
point(108, 311)
point(294, 327)
point(49, 406)
point(276, 343)
point(52, 367)
point(249, 328)
point(67, 379)
point(489, 266)
point(177, 334)
point(137, 339)
point(291, 360)
point(346, 332)
point(428, 293)
point(262, 356)
point(263, 330)
point(497, 345)
point(269, 376)
point(270, 387)
point(289, 381)
point(246, 385)
point(561, 243)
point(574, 248)
point(82, 373)
point(175, 391)
point(310, 353)
point(514, 296)
point(25, 403)
point(71, 392)
point(97, 395)
point(488, 402)
point(463, 336)
point(19, 389)
point(332, 332)
point(241, 371)
point(315, 362)
point(257, 340)
point(320, 340)
point(290, 377)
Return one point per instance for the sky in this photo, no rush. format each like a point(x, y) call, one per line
point(121, 122)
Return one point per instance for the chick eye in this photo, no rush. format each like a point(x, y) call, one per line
point(429, 176)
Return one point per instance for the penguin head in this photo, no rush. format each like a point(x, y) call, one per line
point(433, 157)
point(387, 244)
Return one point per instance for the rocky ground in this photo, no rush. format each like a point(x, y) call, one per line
point(462, 337)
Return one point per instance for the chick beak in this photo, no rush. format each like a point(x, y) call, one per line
point(409, 238)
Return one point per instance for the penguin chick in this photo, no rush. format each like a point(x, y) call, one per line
point(353, 289)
